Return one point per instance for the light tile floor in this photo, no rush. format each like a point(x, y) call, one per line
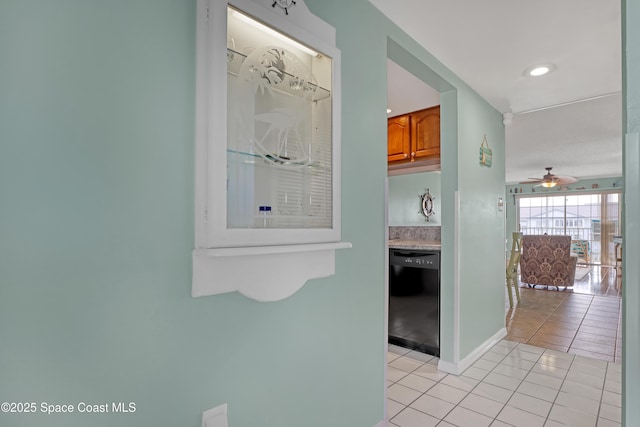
point(513, 384)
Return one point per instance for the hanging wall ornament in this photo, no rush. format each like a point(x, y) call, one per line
point(426, 204)
point(486, 154)
point(284, 5)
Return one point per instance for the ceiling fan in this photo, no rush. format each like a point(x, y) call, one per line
point(551, 180)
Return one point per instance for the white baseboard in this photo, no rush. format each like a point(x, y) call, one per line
point(458, 368)
point(383, 423)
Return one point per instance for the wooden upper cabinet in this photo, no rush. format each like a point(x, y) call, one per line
point(399, 138)
point(414, 136)
point(425, 133)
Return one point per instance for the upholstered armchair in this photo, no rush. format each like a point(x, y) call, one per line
point(547, 261)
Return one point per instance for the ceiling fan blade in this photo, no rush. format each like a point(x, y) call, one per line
point(533, 181)
point(565, 179)
point(551, 178)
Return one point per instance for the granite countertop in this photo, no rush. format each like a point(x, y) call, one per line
point(430, 245)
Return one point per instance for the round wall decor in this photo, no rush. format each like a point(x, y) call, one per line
point(426, 204)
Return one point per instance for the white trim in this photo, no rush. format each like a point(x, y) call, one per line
point(215, 417)
point(266, 250)
point(269, 273)
point(456, 277)
point(631, 292)
point(460, 367)
point(201, 122)
point(383, 423)
point(386, 294)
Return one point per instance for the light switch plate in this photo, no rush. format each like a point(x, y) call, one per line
point(215, 417)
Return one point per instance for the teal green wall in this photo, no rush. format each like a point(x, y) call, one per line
point(96, 227)
point(405, 204)
point(482, 271)
point(631, 249)
point(584, 185)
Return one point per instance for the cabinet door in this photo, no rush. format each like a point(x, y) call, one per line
point(399, 141)
point(425, 133)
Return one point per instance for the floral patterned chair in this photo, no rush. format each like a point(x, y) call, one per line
point(547, 261)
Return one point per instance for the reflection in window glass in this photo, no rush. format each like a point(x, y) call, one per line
point(279, 148)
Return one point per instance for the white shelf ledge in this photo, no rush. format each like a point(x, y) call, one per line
point(262, 273)
point(263, 250)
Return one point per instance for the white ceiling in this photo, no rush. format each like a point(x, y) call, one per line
point(406, 92)
point(570, 119)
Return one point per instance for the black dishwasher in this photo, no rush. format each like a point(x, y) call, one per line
point(414, 300)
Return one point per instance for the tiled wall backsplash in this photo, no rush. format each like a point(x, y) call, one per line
point(414, 233)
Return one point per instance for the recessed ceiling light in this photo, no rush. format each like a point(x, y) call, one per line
point(539, 70)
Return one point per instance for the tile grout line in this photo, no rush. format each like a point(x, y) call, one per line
point(604, 384)
point(577, 330)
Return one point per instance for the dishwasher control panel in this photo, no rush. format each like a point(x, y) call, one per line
point(417, 259)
